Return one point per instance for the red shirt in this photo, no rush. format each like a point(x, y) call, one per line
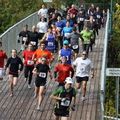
point(2, 57)
point(63, 71)
point(27, 55)
point(73, 11)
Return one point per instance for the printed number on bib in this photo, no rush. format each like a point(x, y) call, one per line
point(30, 62)
point(41, 74)
point(65, 103)
point(67, 35)
point(24, 39)
point(50, 43)
point(75, 46)
point(98, 16)
point(81, 19)
point(33, 43)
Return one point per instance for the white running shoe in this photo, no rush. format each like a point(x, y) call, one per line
point(83, 98)
point(29, 86)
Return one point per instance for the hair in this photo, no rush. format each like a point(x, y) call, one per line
point(42, 42)
point(14, 49)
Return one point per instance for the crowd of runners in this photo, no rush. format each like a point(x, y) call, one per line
point(58, 46)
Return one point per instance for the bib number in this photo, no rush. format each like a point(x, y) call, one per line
point(67, 35)
point(98, 16)
point(30, 62)
point(43, 75)
point(50, 43)
point(33, 43)
point(81, 19)
point(24, 39)
point(65, 103)
point(75, 46)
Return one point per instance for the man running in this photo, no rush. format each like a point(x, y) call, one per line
point(65, 96)
point(83, 68)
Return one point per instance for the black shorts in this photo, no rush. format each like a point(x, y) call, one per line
point(40, 82)
point(76, 50)
point(14, 74)
point(80, 79)
point(62, 113)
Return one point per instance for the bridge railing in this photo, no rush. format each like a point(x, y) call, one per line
point(104, 63)
point(9, 37)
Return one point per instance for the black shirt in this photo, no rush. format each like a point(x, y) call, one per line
point(14, 64)
point(42, 70)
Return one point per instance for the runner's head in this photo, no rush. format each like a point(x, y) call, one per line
point(65, 43)
point(68, 82)
point(30, 46)
point(63, 59)
point(14, 52)
point(43, 60)
point(84, 55)
point(42, 45)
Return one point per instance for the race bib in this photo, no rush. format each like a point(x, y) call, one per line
point(42, 74)
point(75, 46)
point(81, 19)
point(30, 62)
point(24, 39)
point(65, 103)
point(67, 35)
point(33, 43)
point(98, 16)
point(50, 44)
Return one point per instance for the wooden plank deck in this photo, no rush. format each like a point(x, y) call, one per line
point(22, 106)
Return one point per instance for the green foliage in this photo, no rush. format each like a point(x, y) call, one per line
point(113, 61)
point(13, 11)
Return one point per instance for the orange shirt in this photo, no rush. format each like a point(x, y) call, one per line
point(43, 53)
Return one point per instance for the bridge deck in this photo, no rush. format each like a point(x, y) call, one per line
point(22, 106)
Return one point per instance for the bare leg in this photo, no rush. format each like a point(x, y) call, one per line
point(11, 84)
point(40, 96)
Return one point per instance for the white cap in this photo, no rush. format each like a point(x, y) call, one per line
point(69, 80)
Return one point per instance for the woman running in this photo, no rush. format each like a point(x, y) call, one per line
point(41, 70)
point(14, 66)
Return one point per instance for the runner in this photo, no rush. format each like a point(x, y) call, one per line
point(83, 68)
point(42, 52)
point(66, 51)
point(14, 66)
point(24, 34)
point(42, 27)
point(65, 97)
point(74, 41)
point(62, 71)
point(28, 63)
point(50, 39)
point(86, 36)
point(41, 70)
point(3, 58)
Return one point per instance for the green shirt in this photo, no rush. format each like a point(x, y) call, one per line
point(86, 35)
point(60, 90)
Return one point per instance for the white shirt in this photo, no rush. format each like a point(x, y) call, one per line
point(43, 12)
point(42, 27)
point(83, 67)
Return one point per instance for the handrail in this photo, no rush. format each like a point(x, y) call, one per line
point(103, 71)
point(9, 37)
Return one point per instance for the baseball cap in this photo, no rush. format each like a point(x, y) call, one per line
point(65, 42)
point(69, 80)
